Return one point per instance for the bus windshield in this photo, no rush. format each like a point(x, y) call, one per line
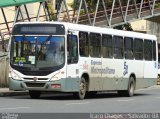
point(37, 52)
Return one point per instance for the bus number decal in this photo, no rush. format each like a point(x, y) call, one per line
point(85, 66)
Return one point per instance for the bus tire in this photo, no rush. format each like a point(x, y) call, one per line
point(82, 89)
point(130, 90)
point(34, 94)
point(131, 87)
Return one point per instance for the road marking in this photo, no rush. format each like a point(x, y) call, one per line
point(125, 100)
point(12, 108)
point(78, 103)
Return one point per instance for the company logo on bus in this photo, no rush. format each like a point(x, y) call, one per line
point(35, 79)
point(98, 70)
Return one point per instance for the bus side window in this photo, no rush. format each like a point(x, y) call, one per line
point(118, 47)
point(138, 49)
point(128, 48)
point(107, 46)
point(154, 50)
point(148, 50)
point(95, 45)
point(83, 44)
point(72, 49)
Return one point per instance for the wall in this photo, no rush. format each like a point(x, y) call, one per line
point(3, 70)
point(139, 26)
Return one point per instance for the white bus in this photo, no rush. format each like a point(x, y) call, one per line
point(81, 59)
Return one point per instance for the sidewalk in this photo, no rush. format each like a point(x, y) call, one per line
point(6, 92)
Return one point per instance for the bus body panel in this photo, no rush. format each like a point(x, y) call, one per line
point(67, 85)
point(150, 69)
point(95, 74)
point(104, 73)
point(113, 74)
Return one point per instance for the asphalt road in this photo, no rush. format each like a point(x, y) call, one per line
point(144, 101)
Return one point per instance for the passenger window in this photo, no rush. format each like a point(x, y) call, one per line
point(107, 47)
point(154, 50)
point(83, 44)
point(148, 50)
point(128, 48)
point(118, 47)
point(72, 49)
point(95, 45)
point(138, 49)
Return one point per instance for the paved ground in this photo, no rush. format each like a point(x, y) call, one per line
point(144, 101)
point(7, 92)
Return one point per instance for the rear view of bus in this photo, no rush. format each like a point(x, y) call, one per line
point(37, 57)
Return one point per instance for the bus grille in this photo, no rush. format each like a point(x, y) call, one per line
point(38, 78)
point(35, 84)
point(35, 73)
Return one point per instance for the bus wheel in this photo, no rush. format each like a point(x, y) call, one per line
point(34, 94)
point(131, 87)
point(130, 91)
point(82, 89)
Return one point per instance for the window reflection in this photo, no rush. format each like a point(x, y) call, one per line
point(39, 51)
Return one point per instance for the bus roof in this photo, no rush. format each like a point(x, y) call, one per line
point(95, 29)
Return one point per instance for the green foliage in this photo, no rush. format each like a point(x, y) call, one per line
point(126, 27)
point(157, 5)
point(51, 10)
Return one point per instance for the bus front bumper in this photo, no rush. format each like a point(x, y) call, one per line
point(62, 85)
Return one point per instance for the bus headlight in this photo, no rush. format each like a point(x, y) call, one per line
point(13, 75)
point(54, 78)
point(57, 76)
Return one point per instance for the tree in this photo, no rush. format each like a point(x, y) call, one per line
point(126, 26)
point(49, 6)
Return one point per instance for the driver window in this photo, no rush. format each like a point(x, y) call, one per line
point(72, 49)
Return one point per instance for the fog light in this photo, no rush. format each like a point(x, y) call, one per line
point(55, 85)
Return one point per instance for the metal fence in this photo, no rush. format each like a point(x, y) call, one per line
point(3, 70)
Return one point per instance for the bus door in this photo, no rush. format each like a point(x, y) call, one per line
point(72, 60)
